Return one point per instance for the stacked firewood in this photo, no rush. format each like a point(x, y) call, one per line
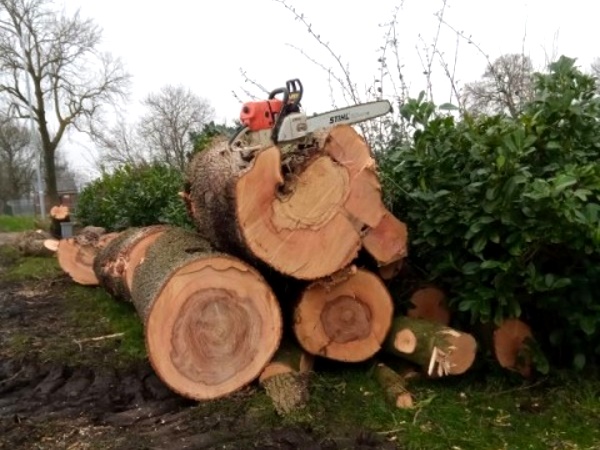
point(288, 263)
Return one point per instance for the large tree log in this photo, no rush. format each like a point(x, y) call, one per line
point(346, 318)
point(76, 255)
point(288, 213)
point(285, 378)
point(211, 321)
point(439, 350)
point(115, 265)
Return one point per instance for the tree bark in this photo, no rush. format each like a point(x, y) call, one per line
point(115, 265)
point(439, 350)
point(345, 318)
point(31, 243)
point(58, 215)
point(394, 386)
point(211, 321)
point(285, 379)
point(289, 206)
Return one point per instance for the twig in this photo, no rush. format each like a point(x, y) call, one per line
point(520, 388)
point(12, 377)
point(97, 338)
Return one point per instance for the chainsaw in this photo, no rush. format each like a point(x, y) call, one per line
point(281, 120)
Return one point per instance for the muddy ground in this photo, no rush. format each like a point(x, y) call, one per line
point(47, 403)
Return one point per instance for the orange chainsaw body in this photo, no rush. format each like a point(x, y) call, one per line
point(260, 115)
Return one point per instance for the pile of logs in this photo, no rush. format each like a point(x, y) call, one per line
point(288, 263)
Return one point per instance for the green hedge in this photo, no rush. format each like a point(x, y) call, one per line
point(505, 212)
point(134, 196)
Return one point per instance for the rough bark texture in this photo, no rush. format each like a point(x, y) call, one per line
point(211, 321)
point(115, 264)
point(439, 350)
point(286, 377)
point(346, 318)
point(394, 386)
point(288, 207)
point(31, 243)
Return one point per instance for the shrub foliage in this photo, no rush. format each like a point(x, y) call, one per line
point(134, 196)
point(504, 212)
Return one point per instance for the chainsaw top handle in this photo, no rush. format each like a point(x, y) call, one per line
point(291, 103)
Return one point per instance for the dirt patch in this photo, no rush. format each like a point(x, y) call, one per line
point(49, 402)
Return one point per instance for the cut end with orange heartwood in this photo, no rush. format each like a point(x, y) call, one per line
point(212, 323)
point(511, 346)
point(347, 320)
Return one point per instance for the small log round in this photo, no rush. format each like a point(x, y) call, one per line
point(439, 350)
point(346, 319)
point(211, 321)
point(429, 303)
point(511, 346)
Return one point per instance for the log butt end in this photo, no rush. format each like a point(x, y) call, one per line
point(213, 328)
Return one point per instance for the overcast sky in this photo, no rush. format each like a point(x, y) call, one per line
point(204, 44)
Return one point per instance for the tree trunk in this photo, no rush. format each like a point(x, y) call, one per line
point(76, 255)
point(31, 243)
point(211, 321)
point(394, 386)
point(429, 303)
point(285, 378)
point(116, 263)
point(288, 211)
point(345, 318)
point(439, 350)
point(511, 343)
point(58, 215)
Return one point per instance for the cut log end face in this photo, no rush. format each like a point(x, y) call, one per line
point(429, 304)
point(460, 353)
point(345, 322)
point(346, 319)
point(213, 328)
point(510, 346)
point(405, 341)
point(77, 261)
point(290, 232)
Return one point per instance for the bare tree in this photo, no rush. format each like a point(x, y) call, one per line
point(122, 144)
point(173, 114)
point(595, 69)
point(71, 79)
point(506, 85)
point(16, 170)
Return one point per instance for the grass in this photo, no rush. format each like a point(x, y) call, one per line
point(93, 310)
point(33, 268)
point(85, 312)
point(469, 412)
point(479, 410)
point(17, 223)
